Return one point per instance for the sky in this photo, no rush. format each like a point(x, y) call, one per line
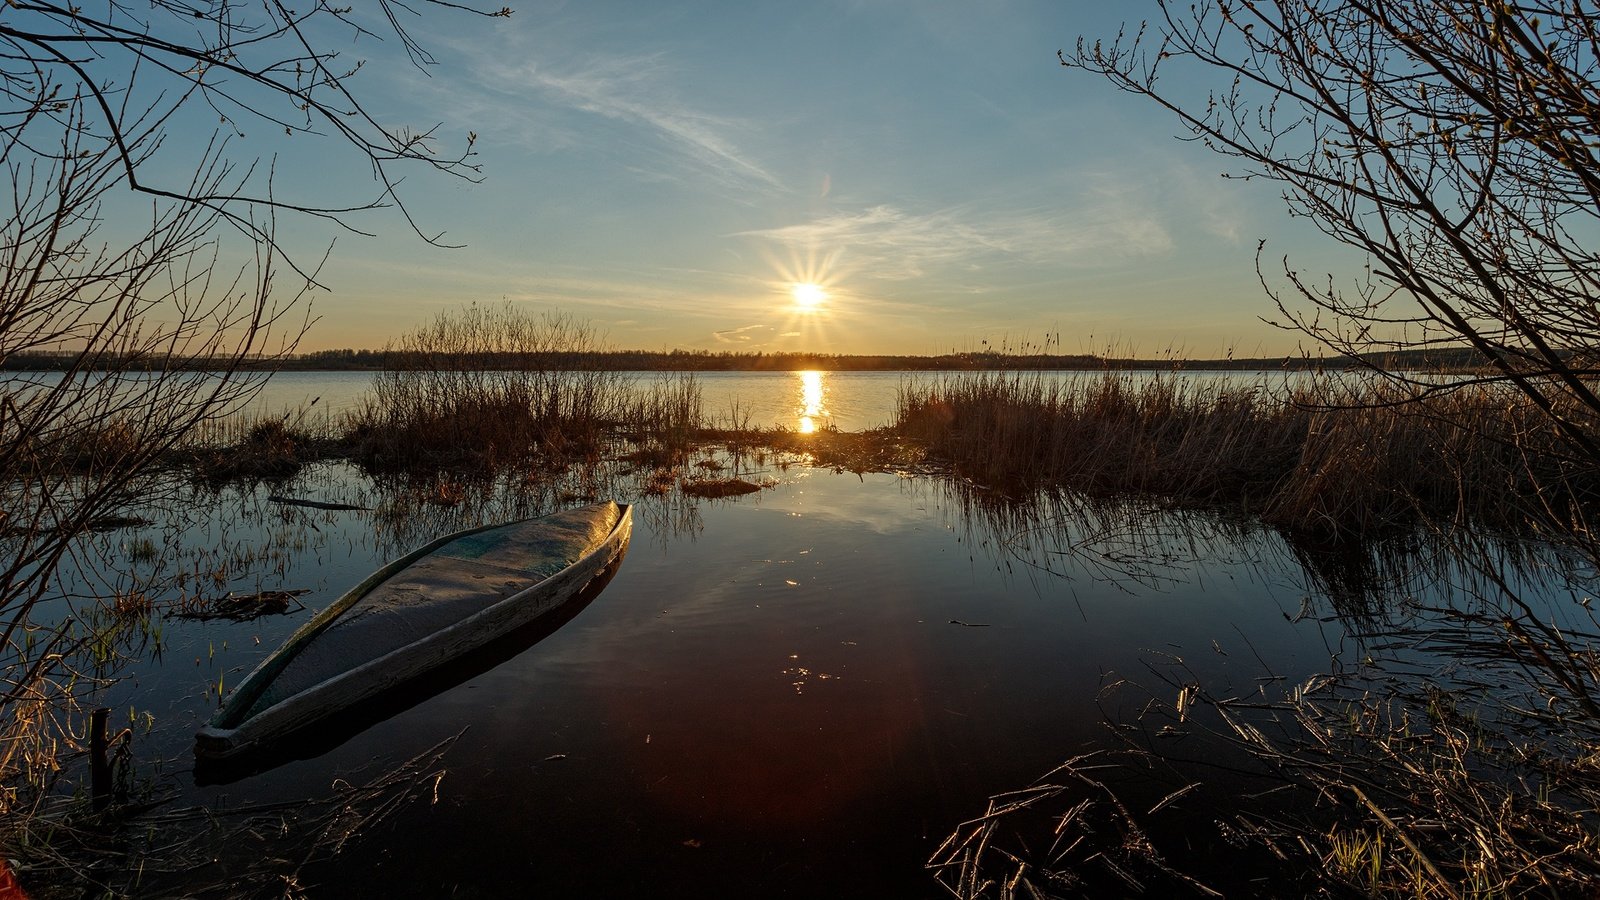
point(670, 172)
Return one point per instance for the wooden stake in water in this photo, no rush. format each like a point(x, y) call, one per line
point(99, 759)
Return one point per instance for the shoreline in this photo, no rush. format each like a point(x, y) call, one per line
point(1453, 360)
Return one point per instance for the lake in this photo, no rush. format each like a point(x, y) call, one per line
point(799, 401)
point(800, 692)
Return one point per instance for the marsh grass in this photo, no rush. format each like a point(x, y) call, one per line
point(478, 388)
point(142, 847)
point(86, 451)
point(259, 447)
point(720, 487)
point(446, 420)
point(668, 414)
point(1451, 748)
point(1325, 454)
point(240, 607)
point(1428, 795)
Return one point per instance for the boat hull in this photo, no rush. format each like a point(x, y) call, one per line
point(381, 673)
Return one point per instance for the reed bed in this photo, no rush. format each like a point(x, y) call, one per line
point(141, 847)
point(259, 447)
point(444, 418)
point(478, 387)
point(1451, 749)
point(664, 421)
point(1456, 755)
point(1329, 454)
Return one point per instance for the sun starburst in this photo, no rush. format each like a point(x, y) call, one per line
point(808, 296)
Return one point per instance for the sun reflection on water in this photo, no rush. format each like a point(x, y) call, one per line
point(813, 401)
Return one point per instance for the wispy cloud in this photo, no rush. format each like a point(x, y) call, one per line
point(1213, 201)
point(638, 92)
point(890, 243)
point(739, 335)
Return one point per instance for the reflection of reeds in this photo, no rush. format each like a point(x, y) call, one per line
point(1320, 454)
point(246, 850)
point(1452, 750)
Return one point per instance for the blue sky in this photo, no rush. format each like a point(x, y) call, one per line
point(669, 171)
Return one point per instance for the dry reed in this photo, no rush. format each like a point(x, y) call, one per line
point(720, 487)
point(1452, 750)
point(476, 388)
point(242, 851)
point(1327, 454)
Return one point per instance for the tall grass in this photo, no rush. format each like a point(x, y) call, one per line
point(670, 412)
point(1329, 453)
point(260, 446)
point(477, 387)
point(1455, 753)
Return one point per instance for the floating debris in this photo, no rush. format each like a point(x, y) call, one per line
point(719, 487)
point(314, 504)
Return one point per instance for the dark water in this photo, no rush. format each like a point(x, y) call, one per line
point(797, 693)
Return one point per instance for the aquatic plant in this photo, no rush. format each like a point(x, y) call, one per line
point(477, 387)
point(720, 487)
point(1448, 750)
point(1332, 454)
point(667, 418)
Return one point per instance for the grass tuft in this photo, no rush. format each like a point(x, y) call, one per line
point(720, 487)
point(1325, 455)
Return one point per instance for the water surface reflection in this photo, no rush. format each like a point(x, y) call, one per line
point(798, 692)
point(812, 409)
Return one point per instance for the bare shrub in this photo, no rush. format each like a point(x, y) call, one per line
point(147, 259)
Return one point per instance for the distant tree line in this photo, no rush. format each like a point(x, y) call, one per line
point(1437, 359)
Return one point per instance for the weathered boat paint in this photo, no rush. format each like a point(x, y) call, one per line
point(432, 592)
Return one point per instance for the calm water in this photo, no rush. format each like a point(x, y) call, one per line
point(800, 692)
point(797, 693)
point(801, 401)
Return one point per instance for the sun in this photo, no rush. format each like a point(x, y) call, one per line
point(807, 295)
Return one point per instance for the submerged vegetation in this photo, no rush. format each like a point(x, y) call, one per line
point(1429, 782)
point(1447, 749)
point(1451, 749)
point(1424, 779)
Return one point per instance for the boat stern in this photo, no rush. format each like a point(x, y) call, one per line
point(211, 742)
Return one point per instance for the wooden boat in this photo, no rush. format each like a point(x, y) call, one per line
point(430, 606)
